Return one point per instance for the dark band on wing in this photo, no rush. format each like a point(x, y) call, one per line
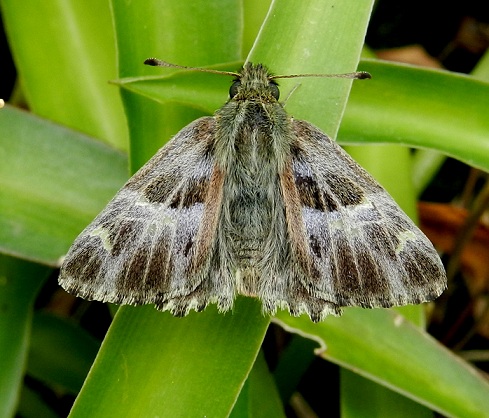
point(193, 193)
point(341, 191)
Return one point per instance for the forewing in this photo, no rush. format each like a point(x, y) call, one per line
point(364, 250)
point(151, 243)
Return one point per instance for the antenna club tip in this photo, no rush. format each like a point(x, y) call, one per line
point(152, 61)
point(364, 75)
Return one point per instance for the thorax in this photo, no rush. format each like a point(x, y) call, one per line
point(252, 146)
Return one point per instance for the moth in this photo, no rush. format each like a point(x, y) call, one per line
point(251, 201)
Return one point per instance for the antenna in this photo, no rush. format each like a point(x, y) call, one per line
point(155, 62)
point(358, 75)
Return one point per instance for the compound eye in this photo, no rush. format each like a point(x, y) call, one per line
point(233, 90)
point(274, 89)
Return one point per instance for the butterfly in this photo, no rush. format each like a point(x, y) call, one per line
point(251, 201)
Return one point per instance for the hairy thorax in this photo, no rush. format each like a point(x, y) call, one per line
point(253, 207)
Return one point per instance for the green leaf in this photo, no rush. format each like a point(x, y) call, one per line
point(426, 164)
point(19, 284)
point(254, 13)
point(53, 182)
point(60, 353)
point(151, 362)
point(362, 398)
point(259, 396)
point(31, 405)
point(200, 91)
point(64, 51)
point(293, 363)
point(421, 108)
point(295, 40)
point(384, 347)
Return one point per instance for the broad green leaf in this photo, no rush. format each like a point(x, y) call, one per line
point(60, 353)
point(426, 163)
point(362, 398)
point(173, 367)
point(254, 13)
point(31, 405)
point(53, 181)
point(19, 284)
point(384, 347)
point(420, 108)
point(481, 71)
point(259, 396)
point(314, 37)
point(294, 361)
point(64, 51)
point(199, 91)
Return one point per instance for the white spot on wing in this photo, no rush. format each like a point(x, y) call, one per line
point(404, 237)
point(103, 234)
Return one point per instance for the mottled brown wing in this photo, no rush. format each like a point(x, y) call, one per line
point(363, 249)
point(151, 243)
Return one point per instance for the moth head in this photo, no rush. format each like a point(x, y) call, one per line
point(254, 82)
